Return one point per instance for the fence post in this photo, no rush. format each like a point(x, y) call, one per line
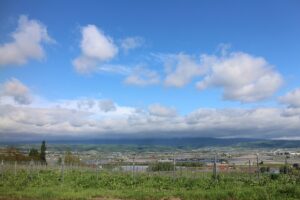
point(15, 168)
point(2, 169)
point(257, 165)
point(97, 170)
point(215, 167)
point(174, 165)
point(133, 168)
point(286, 165)
point(78, 158)
point(62, 167)
point(249, 167)
point(31, 169)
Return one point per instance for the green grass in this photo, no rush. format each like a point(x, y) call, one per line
point(47, 184)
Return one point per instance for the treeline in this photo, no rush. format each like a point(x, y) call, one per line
point(13, 154)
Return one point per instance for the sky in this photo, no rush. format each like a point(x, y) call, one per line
point(94, 69)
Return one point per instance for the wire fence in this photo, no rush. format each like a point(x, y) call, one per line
point(175, 167)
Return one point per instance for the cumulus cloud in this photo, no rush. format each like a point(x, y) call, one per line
point(26, 42)
point(107, 105)
point(181, 69)
point(85, 103)
point(292, 98)
point(130, 43)
point(96, 48)
point(141, 76)
point(242, 77)
point(18, 91)
point(162, 111)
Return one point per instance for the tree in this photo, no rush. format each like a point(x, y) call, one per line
point(43, 152)
point(71, 159)
point(34, 154)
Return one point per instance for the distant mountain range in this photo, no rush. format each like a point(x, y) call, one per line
point(179, 142)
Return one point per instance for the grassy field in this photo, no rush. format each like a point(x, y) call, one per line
point(76, 184)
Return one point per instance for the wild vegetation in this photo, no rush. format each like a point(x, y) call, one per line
point(72, 179)
point(78, 184)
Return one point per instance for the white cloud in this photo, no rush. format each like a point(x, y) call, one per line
point(69, 120)
point(95, 44)
point(259, 123)
point(292, 111)
point(26, 44)
point(130, 43)
point(181, 69)
point(16, 90)
point(101, 117)
point(106, 105)
point(96, 48)
point(85, 103)
point(141, 76)
point(242, 77)
point(85, 65)
point(292, 99)
point(162, 111)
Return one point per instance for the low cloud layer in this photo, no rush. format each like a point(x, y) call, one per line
point(162, 111)
point(105, 118)
point(292, 99)
point(107, 105)
point(204, 122)
point(26, 43)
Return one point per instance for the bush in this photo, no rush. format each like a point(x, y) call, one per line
point(285, 169)
point(264, 169)
point(274, 176)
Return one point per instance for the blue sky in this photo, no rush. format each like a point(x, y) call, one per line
point(170, 59)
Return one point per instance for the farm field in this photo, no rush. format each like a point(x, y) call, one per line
point(79, 184)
